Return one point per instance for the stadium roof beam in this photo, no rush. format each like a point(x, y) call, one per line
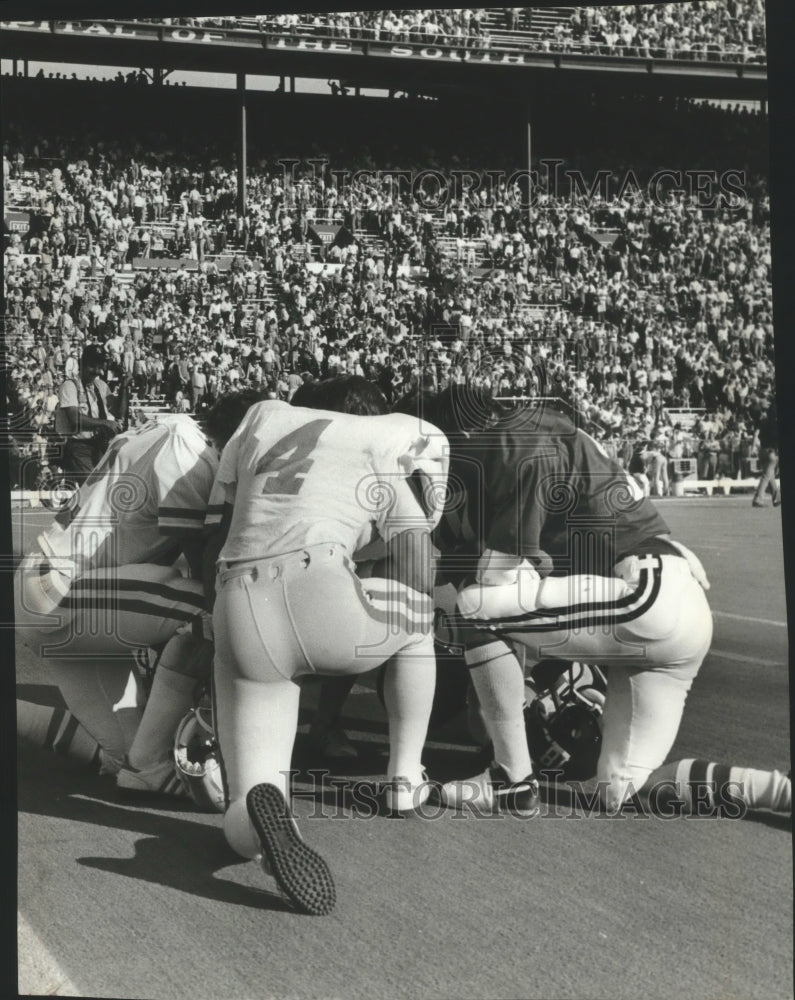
point(241, 145)
point(374, 64)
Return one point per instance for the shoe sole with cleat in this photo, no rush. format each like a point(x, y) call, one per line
point(300, 872)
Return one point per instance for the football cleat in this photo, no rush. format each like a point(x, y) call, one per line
point(493, 792)
point(161, 779)
point(404, 797)
point(300, 872)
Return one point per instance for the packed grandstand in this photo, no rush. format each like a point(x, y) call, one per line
point(644, 304)
point(696, 30)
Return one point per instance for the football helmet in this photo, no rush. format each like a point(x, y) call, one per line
point(565, 702)
point(198, 760)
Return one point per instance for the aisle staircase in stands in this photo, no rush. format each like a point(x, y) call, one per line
point(532, 23)
point(374, 244)
point(266, 300)
point(448, 245)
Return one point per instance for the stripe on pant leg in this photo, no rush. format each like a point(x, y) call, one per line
point(91, 603)
point(178, 595)
point(56, 719)
point(65, 737)
point(619, 612)
point(399, 606)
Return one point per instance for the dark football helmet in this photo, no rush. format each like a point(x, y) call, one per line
point(563, 718)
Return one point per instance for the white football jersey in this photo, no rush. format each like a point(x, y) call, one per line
point(299, 477)
point(152, 484)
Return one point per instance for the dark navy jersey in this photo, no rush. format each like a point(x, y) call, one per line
point(535, 484)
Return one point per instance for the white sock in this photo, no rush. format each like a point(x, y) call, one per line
point(55, 729)
point(184, 659)
point(409, 684)
point(498, 680)
point(106, 697)
point(761, 789)
point(170, 698)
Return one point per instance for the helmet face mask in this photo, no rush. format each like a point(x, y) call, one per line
point(198, 760)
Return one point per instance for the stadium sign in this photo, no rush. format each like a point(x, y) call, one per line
point(431, 52)
point(109, 30)
point(276, 43)
point(16, 222)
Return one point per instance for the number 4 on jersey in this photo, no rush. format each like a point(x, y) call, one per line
point(287, 462)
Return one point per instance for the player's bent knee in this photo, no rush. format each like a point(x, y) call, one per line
point(239, 832)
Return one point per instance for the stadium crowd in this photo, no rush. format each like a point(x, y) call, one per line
point(625, 306)
point(705, 29)
point(432, 26)
point(696, 30)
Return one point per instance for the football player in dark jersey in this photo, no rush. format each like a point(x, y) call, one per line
point(555, 551)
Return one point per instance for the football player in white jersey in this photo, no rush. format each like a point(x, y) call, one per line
point(102, 583)
point(298, 491)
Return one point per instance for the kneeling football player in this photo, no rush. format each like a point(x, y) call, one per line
point(298, 491)
point(101, 582)
point(569, 561)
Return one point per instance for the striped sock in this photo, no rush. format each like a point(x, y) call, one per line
point(56, 729)
point(702, 787)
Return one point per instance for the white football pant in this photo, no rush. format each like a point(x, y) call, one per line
point(303, 613)
point(652, 638)
point(86, 627)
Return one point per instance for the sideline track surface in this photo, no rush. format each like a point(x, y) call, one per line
point(123, 900)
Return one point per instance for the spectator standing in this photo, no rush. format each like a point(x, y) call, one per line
point(768, 458)
point(83, 415)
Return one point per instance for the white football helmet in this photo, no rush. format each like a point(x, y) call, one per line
point(198, 759)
